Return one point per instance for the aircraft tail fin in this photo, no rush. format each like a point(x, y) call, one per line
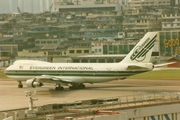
point(143, 49)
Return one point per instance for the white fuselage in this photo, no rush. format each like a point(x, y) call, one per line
point(76, 72)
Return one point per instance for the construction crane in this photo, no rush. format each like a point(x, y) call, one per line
point(19, 10)
point(50, 7)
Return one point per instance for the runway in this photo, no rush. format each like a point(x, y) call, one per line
point(12, 97)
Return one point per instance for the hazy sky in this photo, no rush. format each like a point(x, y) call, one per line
point(32, 6)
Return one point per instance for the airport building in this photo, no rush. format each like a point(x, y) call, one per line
point(118, 47)
point(168, 43)
point(98, 58)
point(8, 49)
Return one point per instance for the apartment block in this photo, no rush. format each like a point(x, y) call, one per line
point(137, 22)
point(8, 50)
point(170, 21)
point(138, 4)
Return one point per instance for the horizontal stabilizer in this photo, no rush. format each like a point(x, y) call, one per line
point(136, 68)
point(163, 64)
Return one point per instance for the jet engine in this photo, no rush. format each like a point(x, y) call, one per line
point(33, 83)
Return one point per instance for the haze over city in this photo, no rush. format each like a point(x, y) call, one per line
point(31, 6)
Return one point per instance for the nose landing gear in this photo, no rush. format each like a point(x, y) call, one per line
point(20, 85)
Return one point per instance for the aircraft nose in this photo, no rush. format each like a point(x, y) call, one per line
point(7, 69)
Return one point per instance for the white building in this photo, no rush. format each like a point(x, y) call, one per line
point(97, 48)
point(31, 6)
point(170, 21)
point(137, 4)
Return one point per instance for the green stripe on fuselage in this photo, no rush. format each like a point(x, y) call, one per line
point(72, 73)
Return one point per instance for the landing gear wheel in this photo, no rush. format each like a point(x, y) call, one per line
point(41, 84)
point(20, 85)
point(70, 87)
point(81, 86)
point(77, 86)
point(59, 88)
point(73, 87)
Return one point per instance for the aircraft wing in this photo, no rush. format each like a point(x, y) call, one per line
point(53, 79)
point(163, 64)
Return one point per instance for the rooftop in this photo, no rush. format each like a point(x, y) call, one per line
point(88, 56)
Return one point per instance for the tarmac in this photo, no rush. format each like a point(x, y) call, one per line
point(12, 97)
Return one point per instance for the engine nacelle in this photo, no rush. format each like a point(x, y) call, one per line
point(33, 83)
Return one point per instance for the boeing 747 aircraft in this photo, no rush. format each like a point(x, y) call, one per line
point(35, 73)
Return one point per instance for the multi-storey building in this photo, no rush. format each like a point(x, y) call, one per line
point(136, 23)
point(138, 4)
point(66, 49)
point(98, 58)
point(169, 45)
point(88, 7)
point(97, 47)
point(8, 50)
point(112, 47)
point(118, 47)
point(48, 42)
point(85, 4)
point(170, 21)
point(46, 32)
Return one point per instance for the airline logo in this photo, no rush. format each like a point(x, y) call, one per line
point(140, 52)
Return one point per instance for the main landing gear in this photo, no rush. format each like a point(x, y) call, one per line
point(20, 84)
point(59, 87)
point(73, 87)
point(77, 86)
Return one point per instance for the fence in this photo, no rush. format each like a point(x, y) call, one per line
point(62, 110)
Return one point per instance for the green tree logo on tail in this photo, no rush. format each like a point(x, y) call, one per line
point(139, 53)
